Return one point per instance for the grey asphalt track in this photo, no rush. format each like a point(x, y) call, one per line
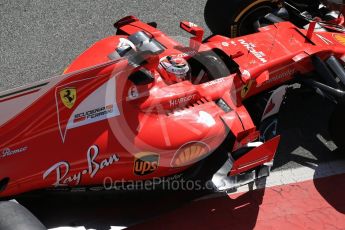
point(38, 39)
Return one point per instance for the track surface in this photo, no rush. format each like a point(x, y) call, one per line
point(39, 38)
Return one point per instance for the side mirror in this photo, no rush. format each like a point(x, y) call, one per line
point(195, 30)
point(192, 28)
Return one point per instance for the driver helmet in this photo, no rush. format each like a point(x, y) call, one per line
point(177, 68)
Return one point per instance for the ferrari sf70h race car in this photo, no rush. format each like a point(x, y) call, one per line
point(140, 105)
point(133, 107)
point(240, 17)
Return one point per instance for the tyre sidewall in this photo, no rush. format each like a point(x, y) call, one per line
point(225, 16)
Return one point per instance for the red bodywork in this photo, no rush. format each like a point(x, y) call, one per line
point(92, 122)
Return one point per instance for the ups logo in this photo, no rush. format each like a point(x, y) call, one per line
point(145, 163)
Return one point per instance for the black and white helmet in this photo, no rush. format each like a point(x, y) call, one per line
point(177, 68)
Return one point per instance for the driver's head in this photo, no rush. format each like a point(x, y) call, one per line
point(177, 68)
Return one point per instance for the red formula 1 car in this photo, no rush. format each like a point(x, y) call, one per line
point(140, 105)
point(132, 107)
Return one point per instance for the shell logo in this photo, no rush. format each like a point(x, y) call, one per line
point(339, 38)
point(190, 153)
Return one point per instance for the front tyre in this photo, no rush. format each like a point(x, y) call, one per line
point(236, 17)
point(13, 216)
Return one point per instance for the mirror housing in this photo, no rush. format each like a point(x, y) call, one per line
point(195, 30)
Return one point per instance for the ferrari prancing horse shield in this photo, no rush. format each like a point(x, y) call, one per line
point(68, 96)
